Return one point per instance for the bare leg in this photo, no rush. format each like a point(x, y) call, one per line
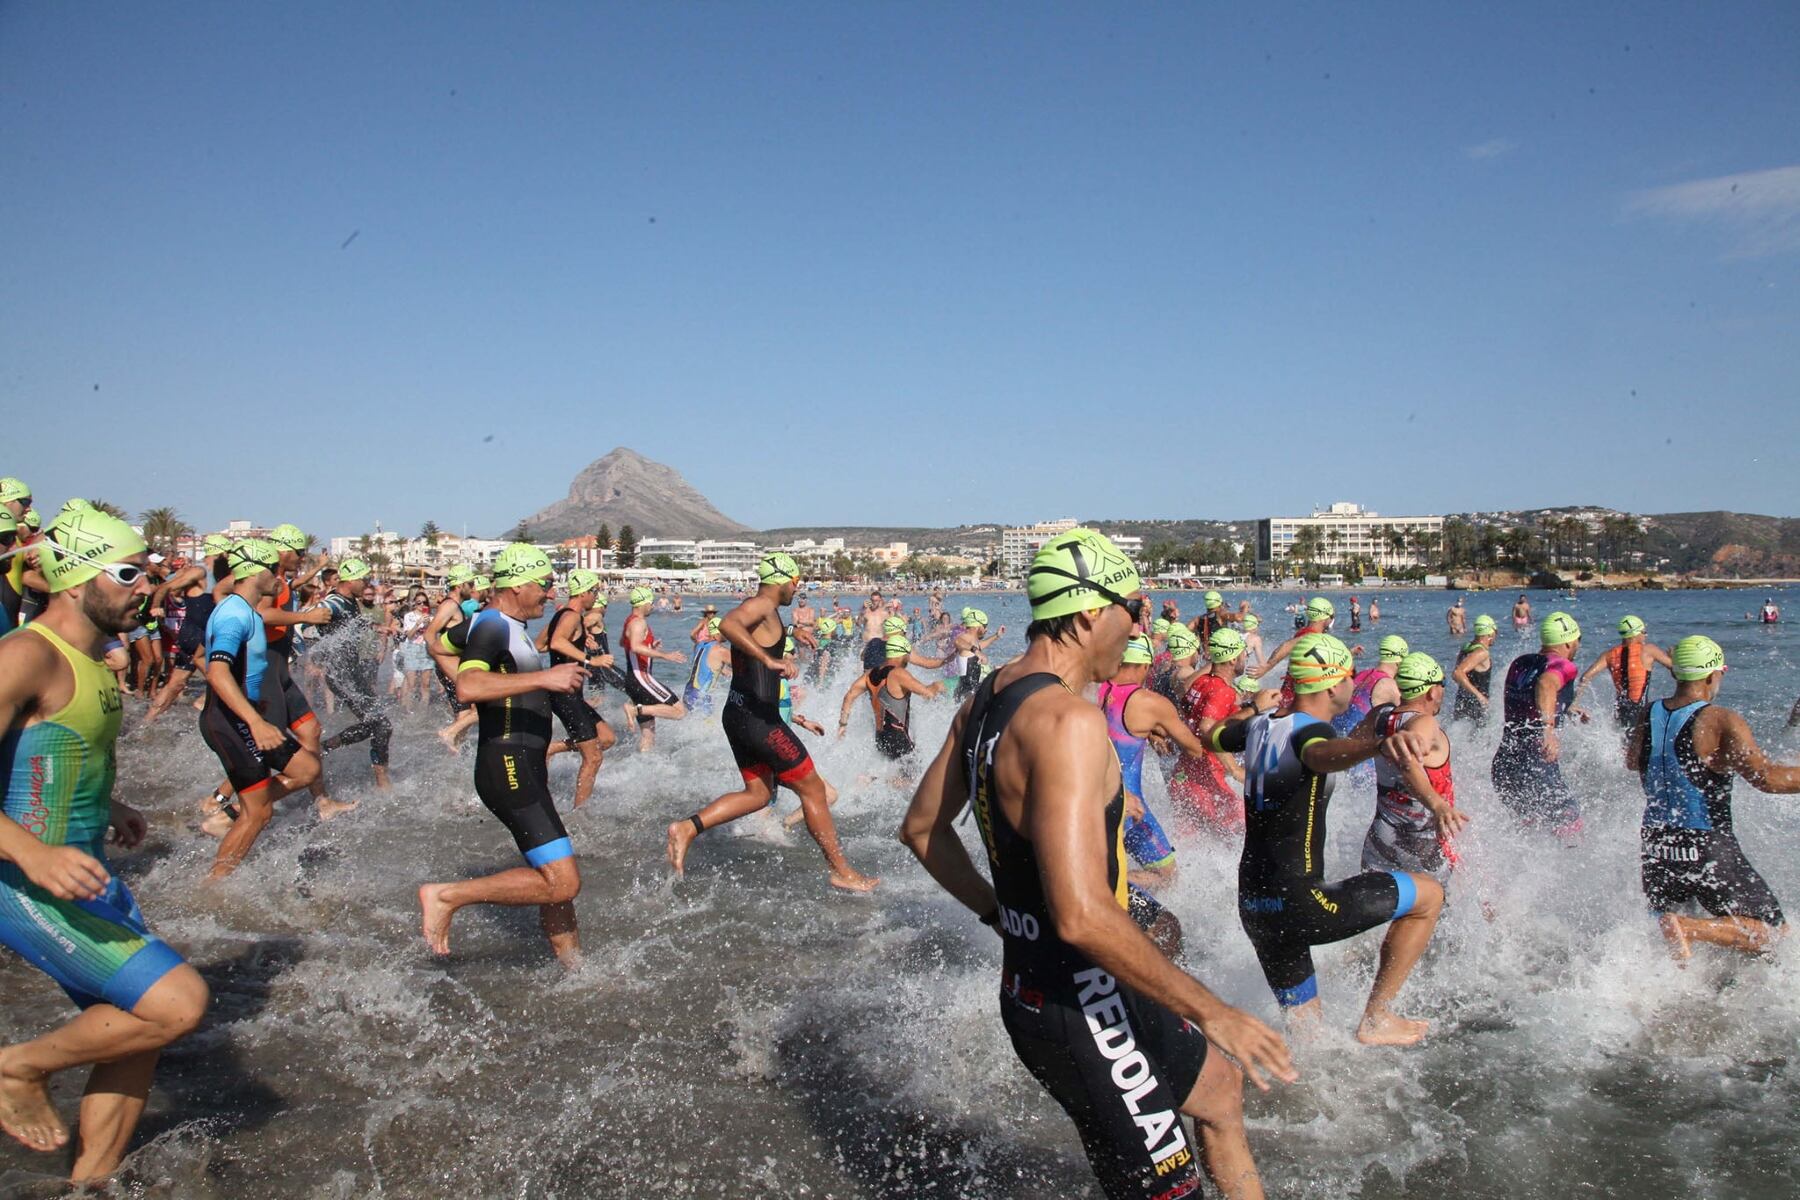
point(811, 791)
point(646, 714)
point(755, 795)
point(1406, 940)
point(1734, 933)
point(1217, 1106)
point(464, 722)
point(555, 884)
point(799, 814)
point(255, 808)
point(172, 1007)
point(110, 1108)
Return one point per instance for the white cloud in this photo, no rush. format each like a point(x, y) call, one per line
point(1761, 207)
point(1492, 148)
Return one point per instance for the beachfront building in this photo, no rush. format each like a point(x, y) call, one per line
point(1019, 543)
point(1348, 533)
point(890, 555)
point(725, 560)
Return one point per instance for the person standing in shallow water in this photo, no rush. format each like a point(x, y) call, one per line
point(1119, 1036)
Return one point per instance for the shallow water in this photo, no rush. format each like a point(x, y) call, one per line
point(748, 1031)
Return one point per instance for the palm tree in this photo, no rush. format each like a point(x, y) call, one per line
point(109, 508)
point(163, 527)
point(430, 532)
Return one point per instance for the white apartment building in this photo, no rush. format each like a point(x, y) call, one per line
point(679, 549)
point(1019, 543)
point(890, 555)
point(719, 559)
point(1348, 532)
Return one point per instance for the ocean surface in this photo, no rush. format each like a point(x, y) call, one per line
point(748, 1031)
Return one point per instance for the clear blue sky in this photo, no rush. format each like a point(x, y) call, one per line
point(898, 264)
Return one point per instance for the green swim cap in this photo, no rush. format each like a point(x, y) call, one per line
point(1393, 648)
point(32, 520)
point(974, 618)
point(1225, 645)
point(712, 627)
point(482, 583)
point(1213, 599)
point(1484, 624)
point(13, 488)
point(1252, 621)
point(1078, 571)
point(1631, 626)
point(459, 574)
point(8, 522)
point(640, 596)
point(777, 568)
point(289, 537)
point(353, 569)
point(1249, 684)
point(251, 556)
point(1418, 674)
point(967, 612)
point(583, 581)
point(1318, 663)
point(75, 504)
point(522, 563)
point(78, 546)
point(1183, 642)
point(1139, 650)
point(215, 544)
point(826, 626)
point(1697, 656)
point(787, 644)
point(1558, 629)
point(892, 625)
point(1319, 609)
point(1160, 626)
point(898, 646)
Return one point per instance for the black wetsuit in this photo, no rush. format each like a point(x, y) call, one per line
point(351, 657)
point(579, 719)
point(893, 715)
point(763, 745)
point(1468, 708)
point(1120, 1064)
point(512, 736)
point(1284, 903)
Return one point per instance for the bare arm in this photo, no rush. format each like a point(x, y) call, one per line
point(476, 684)
point(859, 688)
point(66, 872)
point(927, 829)
point(910, 683)
point(1155, 715)
point(559, 637)
point(1737, 751)
point(735, 628)
point(1461, 675)
point(1281, 653)
point(1547, 687)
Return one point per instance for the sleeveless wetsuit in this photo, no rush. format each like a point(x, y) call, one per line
point(1468, 707)
point(580, 720)
point(1532, 788)
point(1284, 903)
point(1688, 852)
point(641, 686)
point(1404, 836)
point(762, 743)
point(512, 735)
point(58, 774)
point(1629, 667)
point(1200, 788)
point(893, 715)
point(1120, 1064)
point(1145, 840)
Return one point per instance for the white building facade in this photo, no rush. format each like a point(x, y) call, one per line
point(1350, 533)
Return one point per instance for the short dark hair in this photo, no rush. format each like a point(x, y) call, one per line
point(1054, 628)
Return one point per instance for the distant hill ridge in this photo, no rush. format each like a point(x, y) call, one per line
point(625, 488)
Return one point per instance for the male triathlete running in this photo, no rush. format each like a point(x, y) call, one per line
point(1687, 749)
point(890, 689)
point(1200, 786)
point(1284, 903)
point(765, 747)
point(510, 683)
point(61, 908)
point(874, 612)
point(1317, 619)
point(649, 699)
point(444, 640)
point(1253, 643)
point(1216, 616)
point(1630, 663)
point(1538, 695)
point(244, 720)
point(1112, 1029)
point(564, 638)
point(1474, 673)
point(1415, 798)
point(970, 652)
point(349, 652)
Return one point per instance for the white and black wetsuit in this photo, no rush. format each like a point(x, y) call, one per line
point(893, 715)
point(1120, 1064)
point(512, 735)
point(351, 657)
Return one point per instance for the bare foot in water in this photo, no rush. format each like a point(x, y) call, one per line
point(382, 782)
point(629, 711)
point(443, 735)
point(1677, 938)
point(26, 1112)
point(437, 917)
point(1387, 1029)
point(681, 836)
point(329, 808)
point(852, 881)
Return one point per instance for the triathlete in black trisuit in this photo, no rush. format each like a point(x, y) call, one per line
point(1113, 1030)
point(565, 639)
point(1284, 903)
point(506, 678)
point(765, 747)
